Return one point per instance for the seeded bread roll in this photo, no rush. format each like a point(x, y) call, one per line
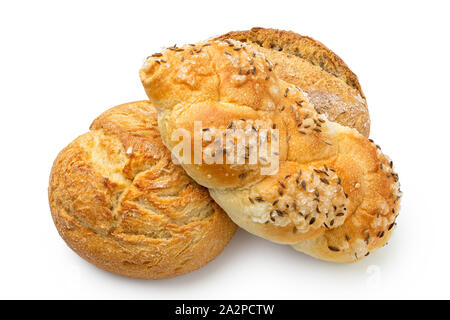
point(333, 188)
point(330, 84)
point(120, 203)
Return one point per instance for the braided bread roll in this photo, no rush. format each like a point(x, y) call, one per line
point(334, 196)
point(120, 203)
point(332, 87)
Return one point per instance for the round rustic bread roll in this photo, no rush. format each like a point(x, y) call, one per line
point(334, 195)
point(120, 203)
point(332, 87)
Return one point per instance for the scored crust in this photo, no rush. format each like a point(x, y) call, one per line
point(335, 195)
point(120, 203)
point(330, 84)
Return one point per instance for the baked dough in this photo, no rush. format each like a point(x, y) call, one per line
point(332, 87)
point(335, 195)
point(120, 203)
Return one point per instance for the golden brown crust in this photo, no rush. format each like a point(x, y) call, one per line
point(298, 45)
point(120, 203)
point(331, 180)
point(330, 84)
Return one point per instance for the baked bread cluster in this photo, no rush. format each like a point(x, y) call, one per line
point(334, 195)
point(134, 195)
point(118, 200)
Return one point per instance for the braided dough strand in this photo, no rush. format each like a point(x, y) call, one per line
point(335, 195)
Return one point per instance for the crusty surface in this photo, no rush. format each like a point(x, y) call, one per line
point(330, 84)
point(120, 203)
point(334, 188)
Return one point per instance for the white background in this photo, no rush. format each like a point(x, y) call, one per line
point(63, 63)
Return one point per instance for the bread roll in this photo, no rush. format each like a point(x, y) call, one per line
point(120, 203)
point(333, 189)
point(330, 84)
